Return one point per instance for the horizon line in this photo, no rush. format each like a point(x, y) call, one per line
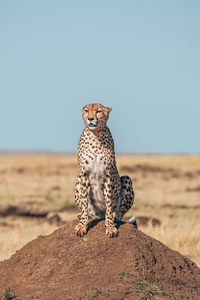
point(61, 152)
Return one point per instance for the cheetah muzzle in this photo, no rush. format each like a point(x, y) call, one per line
point(100, 193)
point(92, 126)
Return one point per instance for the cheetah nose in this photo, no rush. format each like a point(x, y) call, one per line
point(91, 119)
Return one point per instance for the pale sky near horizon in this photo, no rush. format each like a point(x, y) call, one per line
point(140, 57)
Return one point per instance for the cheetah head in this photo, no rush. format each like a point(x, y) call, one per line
point(95, 116)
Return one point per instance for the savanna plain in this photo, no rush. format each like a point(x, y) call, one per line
point(36, 197)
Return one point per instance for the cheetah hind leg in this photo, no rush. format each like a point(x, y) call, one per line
point(127, 197)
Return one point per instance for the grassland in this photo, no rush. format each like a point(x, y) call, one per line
point(167, 189)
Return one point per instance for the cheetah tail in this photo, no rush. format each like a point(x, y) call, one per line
point(132, 221)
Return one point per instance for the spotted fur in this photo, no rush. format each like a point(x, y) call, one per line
point(100, 192)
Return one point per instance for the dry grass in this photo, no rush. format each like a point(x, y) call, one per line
point(167, 188)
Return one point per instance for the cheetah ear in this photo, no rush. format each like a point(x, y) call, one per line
point(108, 109)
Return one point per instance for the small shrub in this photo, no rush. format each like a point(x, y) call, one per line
point(9, 295)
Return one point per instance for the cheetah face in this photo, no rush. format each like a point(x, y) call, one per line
point(95, 116)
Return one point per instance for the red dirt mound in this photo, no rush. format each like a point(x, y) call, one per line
point(131, 266)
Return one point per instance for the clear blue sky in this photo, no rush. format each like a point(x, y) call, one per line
point(140, 57)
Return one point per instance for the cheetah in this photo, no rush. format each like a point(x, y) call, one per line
point(100, 193)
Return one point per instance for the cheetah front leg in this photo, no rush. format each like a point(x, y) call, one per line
point(81, 199)
point(111, 230)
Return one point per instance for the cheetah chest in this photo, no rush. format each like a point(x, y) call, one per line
point(95, 170)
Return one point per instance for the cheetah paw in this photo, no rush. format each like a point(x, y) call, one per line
point(80, 230)
point(111, 231)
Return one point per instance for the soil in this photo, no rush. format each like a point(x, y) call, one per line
point(132, 266)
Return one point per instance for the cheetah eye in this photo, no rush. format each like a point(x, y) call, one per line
point(86, 110)
point(99, 111)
